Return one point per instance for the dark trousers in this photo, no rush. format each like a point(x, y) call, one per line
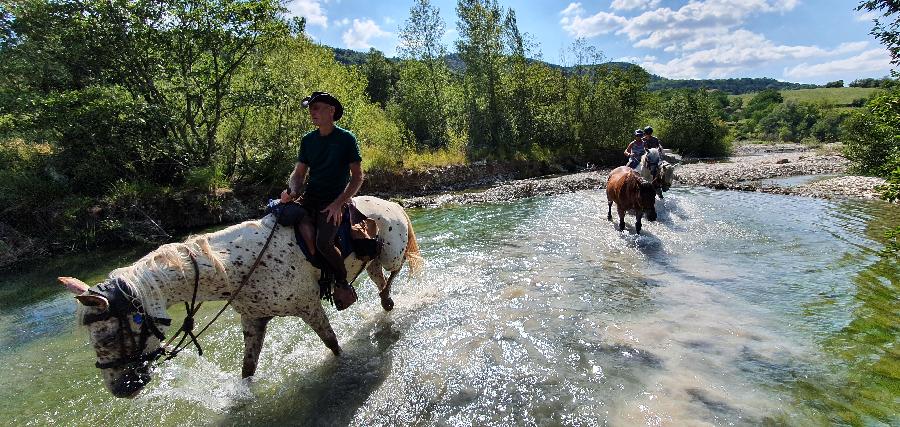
point(325, 234)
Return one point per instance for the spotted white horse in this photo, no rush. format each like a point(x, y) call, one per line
point(126, 314)
point(659, 172)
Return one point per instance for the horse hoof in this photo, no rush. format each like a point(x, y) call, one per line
point(387, 304)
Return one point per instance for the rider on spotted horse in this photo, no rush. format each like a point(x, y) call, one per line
point(328, 173)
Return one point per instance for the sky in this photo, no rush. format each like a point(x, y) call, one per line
point(802, 41)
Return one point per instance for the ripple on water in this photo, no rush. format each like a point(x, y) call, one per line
point(732, 308)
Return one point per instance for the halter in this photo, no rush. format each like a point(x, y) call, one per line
point(124, 305)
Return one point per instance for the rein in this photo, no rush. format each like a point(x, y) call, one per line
point(187, 327)
point(116, 289)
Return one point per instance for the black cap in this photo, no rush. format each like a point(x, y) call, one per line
point(638, 132)
point(326, 98)
point(648, 129)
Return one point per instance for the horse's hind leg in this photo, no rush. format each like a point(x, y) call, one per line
point(621, 217)
point(609, 212)
point(318, 321)
point(376, 273)
point(637, 224)
point(254, 334)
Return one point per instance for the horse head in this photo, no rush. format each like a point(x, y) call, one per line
point(647, 199)
point(125, 337)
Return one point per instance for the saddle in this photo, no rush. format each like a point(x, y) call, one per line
point(357, 233)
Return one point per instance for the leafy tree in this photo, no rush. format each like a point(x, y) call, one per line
point(481, 48)
point(690, 125)
point(424, 75)
point(381, 77)
point(887, 31)
point(837, 83)
point(872, 135)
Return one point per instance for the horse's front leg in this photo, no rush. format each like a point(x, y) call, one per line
point(254, 334)
point(318, 321)
point(376, 273)
point(621, 211)
point(637, 225)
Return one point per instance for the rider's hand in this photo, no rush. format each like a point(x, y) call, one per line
point(286, 197)
point(333, 212)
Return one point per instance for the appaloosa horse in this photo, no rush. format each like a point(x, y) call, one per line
point(126, 314)
point(629, 191)
point(659, 172)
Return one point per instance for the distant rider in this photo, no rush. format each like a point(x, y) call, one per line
point(651, 141)
point(635, 149)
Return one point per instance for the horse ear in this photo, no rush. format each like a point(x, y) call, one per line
point(94, 301)
point(74, 285)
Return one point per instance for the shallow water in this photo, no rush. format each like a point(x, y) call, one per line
point(732, 309)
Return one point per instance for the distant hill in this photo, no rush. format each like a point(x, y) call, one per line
point(730, 86)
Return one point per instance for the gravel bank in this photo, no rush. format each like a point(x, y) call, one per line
point(743, 173)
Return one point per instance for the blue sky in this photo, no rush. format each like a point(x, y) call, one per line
point(792, 40)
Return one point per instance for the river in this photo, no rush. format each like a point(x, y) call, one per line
point(732, 309)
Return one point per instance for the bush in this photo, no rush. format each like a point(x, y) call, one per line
point(872, 135)
point(691, 126)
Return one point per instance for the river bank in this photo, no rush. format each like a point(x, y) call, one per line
point(789, 169)
point(763, 168)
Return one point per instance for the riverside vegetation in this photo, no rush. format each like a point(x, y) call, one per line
point(110, 111)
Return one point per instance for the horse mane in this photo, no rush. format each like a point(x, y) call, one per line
point(168, 263)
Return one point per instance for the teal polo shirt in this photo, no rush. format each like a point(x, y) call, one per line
point(328, 159)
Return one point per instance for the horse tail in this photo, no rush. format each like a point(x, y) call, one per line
point(413, 256)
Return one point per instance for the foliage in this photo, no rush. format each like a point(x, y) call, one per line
point(837, 83)
point(732, 86)
point(872, 135)
point(887, 31)
point(691, 125)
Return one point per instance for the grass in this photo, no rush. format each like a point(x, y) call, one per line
point(838, 97)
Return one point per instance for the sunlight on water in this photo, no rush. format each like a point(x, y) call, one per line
point(731, 309)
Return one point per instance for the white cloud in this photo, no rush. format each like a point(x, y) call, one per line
point(309, 9)
point(867, 16)
point(359, 36)
point(870, 61)
point(578, 26)
point(634, 4)
point(389, 20)
point(342, 22)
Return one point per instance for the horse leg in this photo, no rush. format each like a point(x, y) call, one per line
point(254, 334)
point(621, 211)
point(637, 225)
point(609, 212)
point(318, 321)
point(376, 273)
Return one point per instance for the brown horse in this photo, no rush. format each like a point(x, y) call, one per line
point(629, 191)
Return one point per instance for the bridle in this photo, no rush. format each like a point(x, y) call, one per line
point(123, 305)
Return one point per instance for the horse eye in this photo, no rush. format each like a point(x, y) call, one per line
point(138, 318)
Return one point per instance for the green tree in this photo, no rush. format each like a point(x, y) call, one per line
point(424, 76)
point(381, 77)
point(690, 125)
point(872, 135)
point(480, 47)
point(887, 28)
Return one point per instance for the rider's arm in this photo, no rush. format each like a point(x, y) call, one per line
point(628, 149)
point(333, 210)
point(356, 180)
point(295, 183)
